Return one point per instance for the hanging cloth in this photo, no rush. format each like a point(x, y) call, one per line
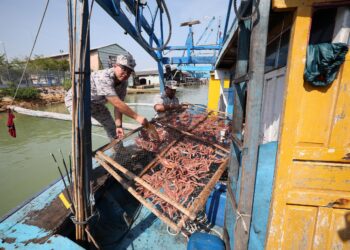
point(323, 62)
point(10, 123)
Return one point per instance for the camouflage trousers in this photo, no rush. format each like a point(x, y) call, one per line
point(101, 113)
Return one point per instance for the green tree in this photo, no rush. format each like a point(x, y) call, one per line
point(41, 63)
point(4, 70)
point(2, 60)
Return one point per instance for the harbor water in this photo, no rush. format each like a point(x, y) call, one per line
point(26, 166)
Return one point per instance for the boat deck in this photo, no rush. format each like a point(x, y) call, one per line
point(148, 232)
point(29, 228)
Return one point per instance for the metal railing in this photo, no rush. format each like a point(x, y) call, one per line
point(33, 78)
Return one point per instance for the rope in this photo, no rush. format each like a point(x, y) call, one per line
point(171, 233)
point(84, 222)
point(240, 216)
point(217, 233)
point(242, 18)
point(31, 52)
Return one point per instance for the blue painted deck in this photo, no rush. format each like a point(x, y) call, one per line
point(15, 233)
point(110, 229)
point(148, 232)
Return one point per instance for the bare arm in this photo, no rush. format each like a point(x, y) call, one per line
point(164, 107)
point(125, 109)
point(118, 118)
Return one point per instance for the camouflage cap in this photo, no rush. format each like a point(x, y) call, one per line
point(127, 61)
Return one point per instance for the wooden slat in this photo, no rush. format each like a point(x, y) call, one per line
point(238, 143)
point(240, 79)
point(202, 197)
point(252, 128)
point(132, 191)
point(146, 185)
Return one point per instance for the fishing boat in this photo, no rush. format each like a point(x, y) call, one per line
point(282, 75)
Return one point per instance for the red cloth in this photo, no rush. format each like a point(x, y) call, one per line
point(10, 123)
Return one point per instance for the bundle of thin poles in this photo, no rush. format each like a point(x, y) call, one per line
point(79, 57)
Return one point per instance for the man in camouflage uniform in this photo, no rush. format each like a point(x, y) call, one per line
point(167, 101)
point(110, 85)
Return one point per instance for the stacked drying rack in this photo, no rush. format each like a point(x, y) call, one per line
point(190, 141)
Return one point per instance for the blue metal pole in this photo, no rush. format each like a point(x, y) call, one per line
point(201, 47)
point(227, 19)
point(206, 29)
point(189, 42)
point(161, 27)
point(152, 37)
point(117, 11)
point(161, 71)
point(125, 23)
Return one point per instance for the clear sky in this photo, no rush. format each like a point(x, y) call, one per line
point(20, 19)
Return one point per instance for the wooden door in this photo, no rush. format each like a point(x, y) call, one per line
point(311, 196)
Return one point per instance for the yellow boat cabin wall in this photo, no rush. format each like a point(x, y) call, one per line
point(310, 207)
point(216, 88)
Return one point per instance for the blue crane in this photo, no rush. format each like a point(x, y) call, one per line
point(206, 30)
point(143, 32)
point(198, 71)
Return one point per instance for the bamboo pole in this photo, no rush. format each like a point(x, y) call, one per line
point(143, 183)
point(74, 116)
point(201, 199)
point(132, 191)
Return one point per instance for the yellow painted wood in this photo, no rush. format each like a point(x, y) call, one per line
point(323, 135)
point(339, 230)
point(214, 91)
point(311, 195)
point(294, 76)
point(320, 198)
point(64, 200)
point(319, 177)
point(318, 228)
point(324, 219)
point(303, 218)
point(287, 4)
point(331, 230)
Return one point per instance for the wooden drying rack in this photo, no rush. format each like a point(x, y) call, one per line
point(187, 213)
